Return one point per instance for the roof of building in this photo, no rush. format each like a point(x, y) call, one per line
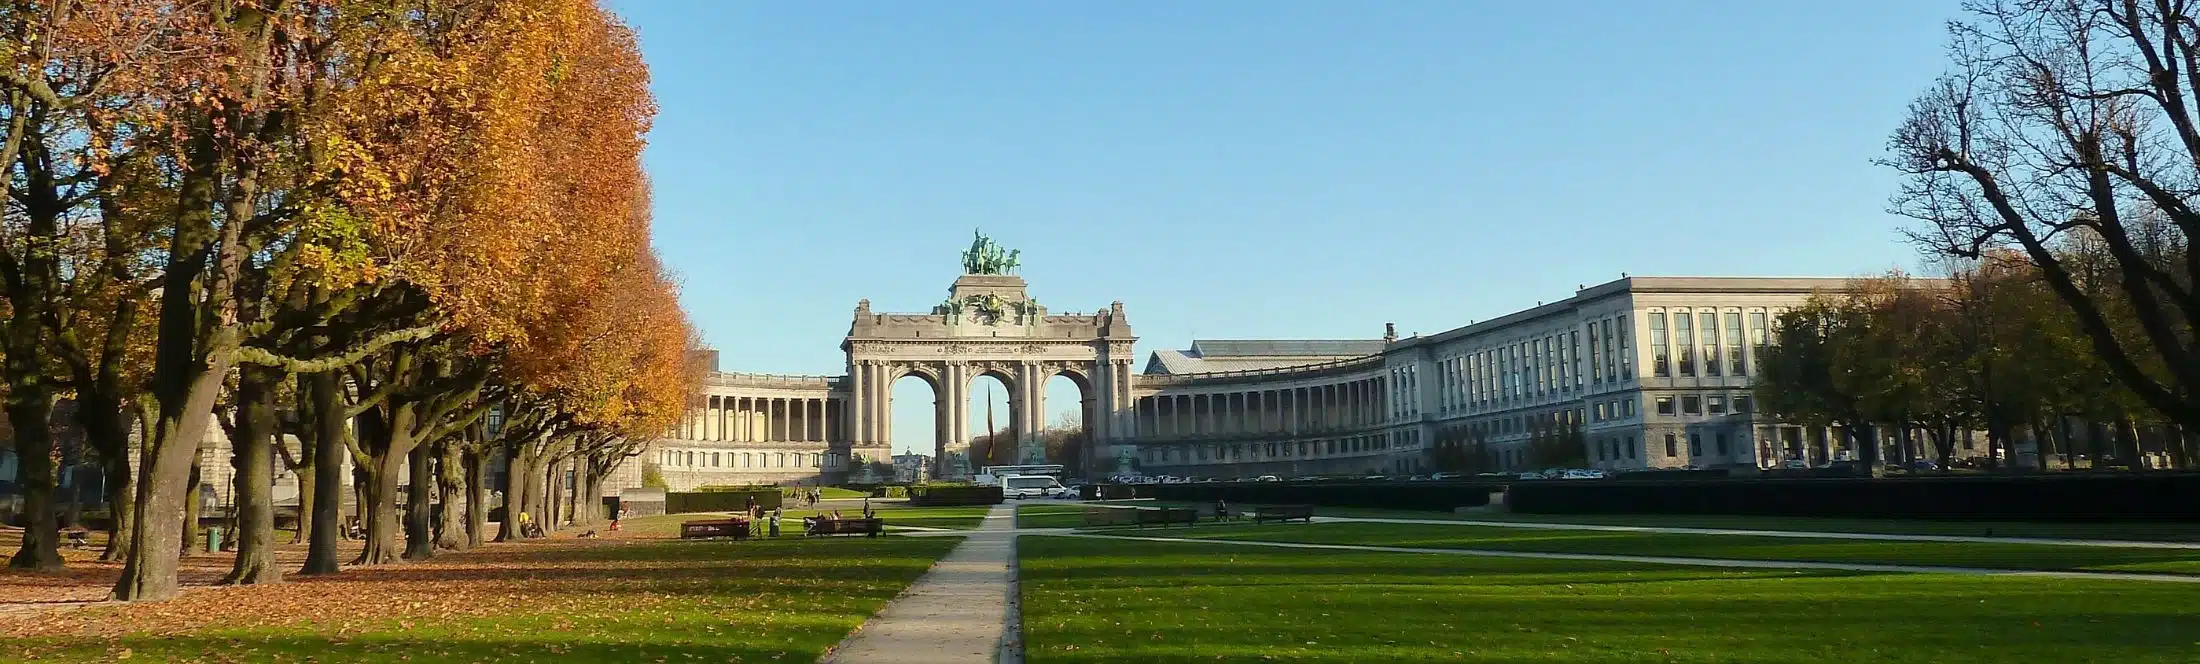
point(1217, 355)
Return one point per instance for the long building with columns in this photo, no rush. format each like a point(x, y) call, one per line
point(1651, 372)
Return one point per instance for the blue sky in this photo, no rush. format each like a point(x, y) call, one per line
point(1259, 168)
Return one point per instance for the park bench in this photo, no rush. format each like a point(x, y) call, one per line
point(736, 528)
point(1284, 513)
point(78, 538)
point(1110, 516)
point(1167, 515)
point(865, 527)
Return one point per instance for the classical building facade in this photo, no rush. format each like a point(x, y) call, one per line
point(750, 428)
point(1642, 372)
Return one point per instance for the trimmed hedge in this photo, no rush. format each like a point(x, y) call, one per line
point(719, 501)
point(880, 490)
point(2157, 496)
point(1107, 492)
point(935, 496)
point(1439, 496)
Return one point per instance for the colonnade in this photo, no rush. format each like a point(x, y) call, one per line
point(1289, 411)
point(765, 419)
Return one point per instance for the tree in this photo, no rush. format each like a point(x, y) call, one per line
point(2074, 121)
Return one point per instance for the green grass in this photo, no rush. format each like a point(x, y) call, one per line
point(1990, 555)
point(1050, 516)
point(833, 492)
point(2150, 532)
point(581, 601)
point(1096, 600)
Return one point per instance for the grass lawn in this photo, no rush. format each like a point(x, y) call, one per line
point(1057, 515)
point(1994, 555)
point(563, 599)
point(2150, 532)
point(1095, 600)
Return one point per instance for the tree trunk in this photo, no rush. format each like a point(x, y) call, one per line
point(253, 456)
point(477, 497)
point(1866, 439)
point(517, 478)
point(325, 406)
point(194, 505)
point(121, 507)
point(2127, 444)
point(450, 477)
point(419, 506)
point(30, 411)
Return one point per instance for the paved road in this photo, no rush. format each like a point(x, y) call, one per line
point(962, 611)
point(1774, 533)
point(1664, 560)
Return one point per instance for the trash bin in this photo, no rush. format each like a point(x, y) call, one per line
point(214, 540)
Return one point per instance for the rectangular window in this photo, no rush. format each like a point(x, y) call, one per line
point(1734, 359)
point(1596, 359)
point(1611, 360)
point(1665, 405)
point(1601, 410)
point(1629, 406)
point(1684, 331)
point(1710, 323)
point(1574, 349)
point(1715, 405)
point(1660, 358)
point(1630, 445)
point(1626, 360)
point(1757, 335)
point(1672, 447)
point(1695, 444)
point(1691, 405)
point(1741, 403)
point(1720, 439)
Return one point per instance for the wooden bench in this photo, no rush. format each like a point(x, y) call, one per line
point(865, 527)
point(736, 528)
point(1167, 515)
point(1284, 513)
point(78, 537)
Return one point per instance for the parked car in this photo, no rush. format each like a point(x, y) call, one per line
point(1924, 464)
point(1493, 475)
point(1796, 464)
point(1375, 478)
point(1268, 478)
point(1440, 477)
point(1529, 476)
point(1589, 474)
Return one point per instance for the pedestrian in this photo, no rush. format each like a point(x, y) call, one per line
point(775, 523)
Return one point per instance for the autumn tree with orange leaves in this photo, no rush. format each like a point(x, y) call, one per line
point(345, 212)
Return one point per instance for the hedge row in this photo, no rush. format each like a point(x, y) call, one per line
point(2126, 497)
point(933, 496)
point(878, 490)
point(1441, 496)
point(719, 501)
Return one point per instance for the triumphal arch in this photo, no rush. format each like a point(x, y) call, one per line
point(989, 326)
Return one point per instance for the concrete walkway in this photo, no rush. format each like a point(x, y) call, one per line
point(962, 611)
point(1664, 560)
point(1885, 537)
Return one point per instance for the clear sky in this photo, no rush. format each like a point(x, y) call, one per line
point(1259, 168)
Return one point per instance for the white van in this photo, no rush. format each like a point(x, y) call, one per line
point(1031, 486)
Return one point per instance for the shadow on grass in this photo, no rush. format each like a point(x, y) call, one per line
point(380, 648)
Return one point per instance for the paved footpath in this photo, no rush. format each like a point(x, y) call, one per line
point(962, 611)
point(1668, 560)
point(1884, 537)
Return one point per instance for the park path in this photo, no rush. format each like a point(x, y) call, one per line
point(1883, 537)
point(961, 611)
point(1670, 560)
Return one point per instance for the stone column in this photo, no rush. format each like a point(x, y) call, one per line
point(853, 418)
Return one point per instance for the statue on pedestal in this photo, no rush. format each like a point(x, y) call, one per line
point(987, 257)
